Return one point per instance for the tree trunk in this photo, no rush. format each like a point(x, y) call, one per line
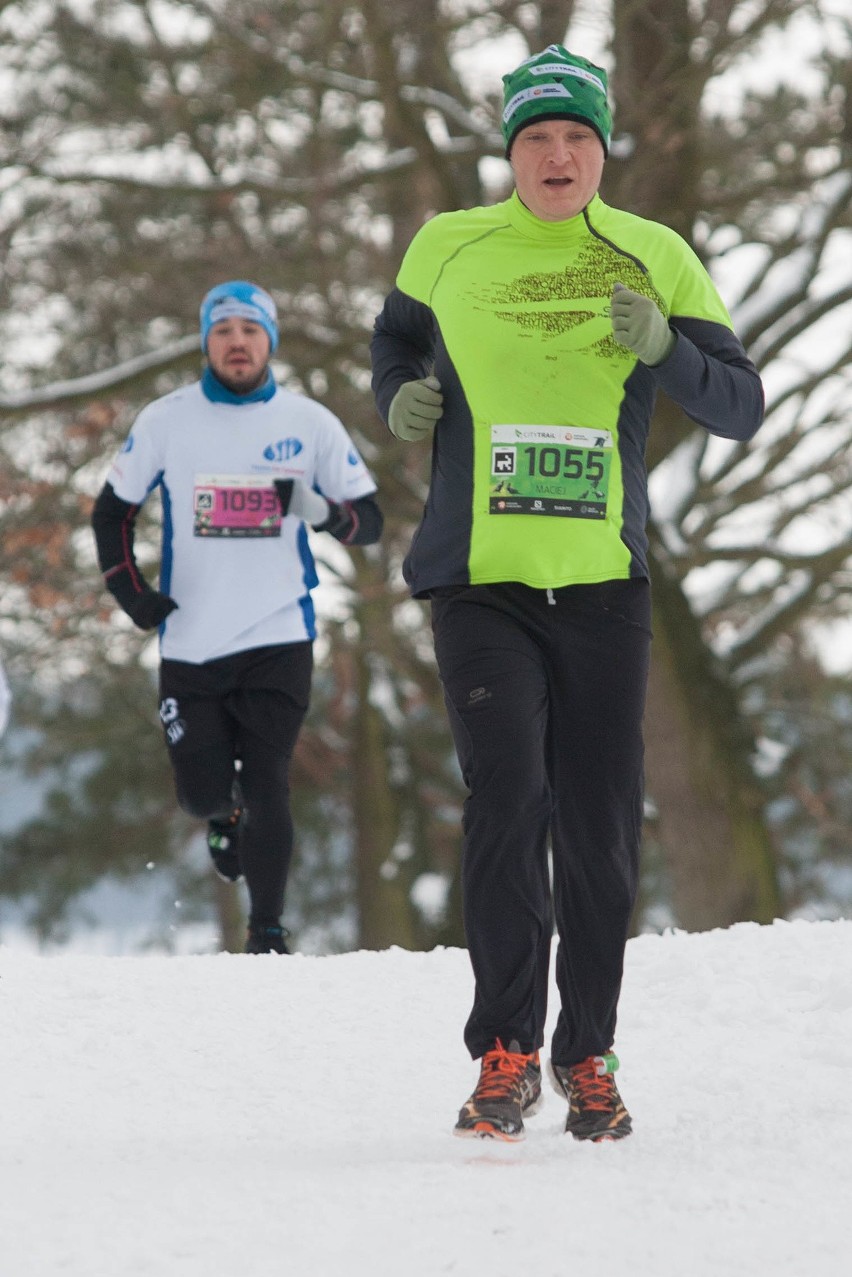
point(715, 843)
point(657, 90)
point(382, 888)
point(711, 828)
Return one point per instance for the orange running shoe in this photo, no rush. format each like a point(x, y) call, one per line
point(595, 1109)
point(508, 1090)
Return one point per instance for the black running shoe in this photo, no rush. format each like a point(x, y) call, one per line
point(595, 1109)
point(223, 843)
point(508, 1090)
point(266, 938)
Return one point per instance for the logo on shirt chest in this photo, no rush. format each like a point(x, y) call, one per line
point(283, 449)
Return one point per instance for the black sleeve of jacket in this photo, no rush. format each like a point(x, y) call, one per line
point(402, 348)
point(712, 378)
point(358, 522)
point(113, 522)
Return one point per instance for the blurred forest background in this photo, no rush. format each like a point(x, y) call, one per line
point(152, 148)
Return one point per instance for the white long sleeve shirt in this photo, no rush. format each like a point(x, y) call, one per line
point(239, 572)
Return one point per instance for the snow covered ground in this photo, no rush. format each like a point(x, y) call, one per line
point(229, 1115)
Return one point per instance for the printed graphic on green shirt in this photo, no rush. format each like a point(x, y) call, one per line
point(534, 302)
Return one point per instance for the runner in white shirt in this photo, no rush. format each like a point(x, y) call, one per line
point(242, 465)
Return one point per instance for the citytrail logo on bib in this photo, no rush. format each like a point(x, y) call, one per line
point(283, 450)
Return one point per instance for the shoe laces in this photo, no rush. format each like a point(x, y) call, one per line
point(593, 1084)
point(501, 1072)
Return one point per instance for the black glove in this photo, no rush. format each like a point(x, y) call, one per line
point(146, 608)
point(149, 609)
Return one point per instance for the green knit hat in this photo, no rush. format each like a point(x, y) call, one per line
point(560, 85)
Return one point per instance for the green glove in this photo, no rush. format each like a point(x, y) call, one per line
point(639, 324)
point(415, 408)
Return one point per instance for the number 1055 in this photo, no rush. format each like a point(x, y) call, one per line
point(566, 463)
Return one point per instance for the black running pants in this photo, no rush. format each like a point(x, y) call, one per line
point(249, 708)
point(545, 691)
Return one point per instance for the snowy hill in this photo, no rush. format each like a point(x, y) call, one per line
point(220, 1116)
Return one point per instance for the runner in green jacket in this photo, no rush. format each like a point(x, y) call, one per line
point(528, 340)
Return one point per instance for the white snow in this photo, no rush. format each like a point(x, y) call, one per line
point(218, 1115)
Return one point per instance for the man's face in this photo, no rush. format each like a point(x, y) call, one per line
point(238, 353)
point(558, 166)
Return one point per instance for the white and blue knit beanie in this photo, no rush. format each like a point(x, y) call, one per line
point(243, 300)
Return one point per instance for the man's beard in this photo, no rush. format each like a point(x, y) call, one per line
point(242, 387)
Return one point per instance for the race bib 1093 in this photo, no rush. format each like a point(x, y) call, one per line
point(235, 505)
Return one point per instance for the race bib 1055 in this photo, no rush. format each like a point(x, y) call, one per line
point(554, 470)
